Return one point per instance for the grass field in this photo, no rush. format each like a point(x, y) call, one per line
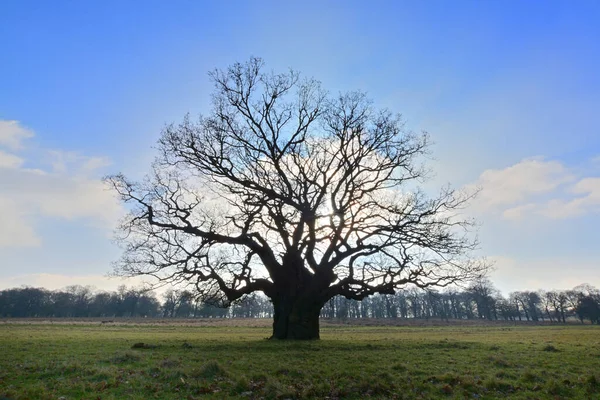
point(97, 361)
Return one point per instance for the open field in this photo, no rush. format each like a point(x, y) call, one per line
point(267, 322)
point(203, 361)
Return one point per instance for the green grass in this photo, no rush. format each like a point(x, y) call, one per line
point(354, 362)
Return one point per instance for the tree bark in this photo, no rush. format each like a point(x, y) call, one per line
point(296, 318)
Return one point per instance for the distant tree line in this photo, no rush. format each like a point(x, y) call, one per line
point(481, 300)
point(82, 301)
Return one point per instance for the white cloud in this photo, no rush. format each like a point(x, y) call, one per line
point(512, 275)
point(588, 203)
point(94, 163)
point(8, 160)
point(520, 182)
point(69, 189)
point(537, 187)
point(54, 195)
point(17, 229)
point(590, 186)
point(519, 212)
point(12, 134)
point(60, 281)
point(64, 162)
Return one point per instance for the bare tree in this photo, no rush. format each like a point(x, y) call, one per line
point(484, 294)
point(284, 189)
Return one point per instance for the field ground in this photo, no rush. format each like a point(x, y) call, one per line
point(220, 360)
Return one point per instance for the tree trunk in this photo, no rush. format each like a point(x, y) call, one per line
point(296, 318)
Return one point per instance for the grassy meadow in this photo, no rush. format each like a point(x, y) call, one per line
point(218, 361)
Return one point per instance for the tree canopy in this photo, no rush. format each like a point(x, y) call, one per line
point(285, 189)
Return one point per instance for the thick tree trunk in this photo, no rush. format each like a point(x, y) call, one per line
point(296, 318)
point(298, 300)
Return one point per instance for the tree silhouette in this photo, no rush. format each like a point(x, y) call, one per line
point(303, 196)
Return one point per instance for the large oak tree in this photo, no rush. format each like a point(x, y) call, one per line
point(284, 189)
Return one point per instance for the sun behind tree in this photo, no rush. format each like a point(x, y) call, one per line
point(286, 190)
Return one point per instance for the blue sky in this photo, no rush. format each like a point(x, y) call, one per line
point(509, 92)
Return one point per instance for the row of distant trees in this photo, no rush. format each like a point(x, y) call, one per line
point(83, 301)
point(479, 301)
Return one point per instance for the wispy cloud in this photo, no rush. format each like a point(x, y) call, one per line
point(537, 187)
point(511, 274)
point(586, 200)
point(8, 160)
point(12, 134)
point(68, 188)
point(59, 281)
